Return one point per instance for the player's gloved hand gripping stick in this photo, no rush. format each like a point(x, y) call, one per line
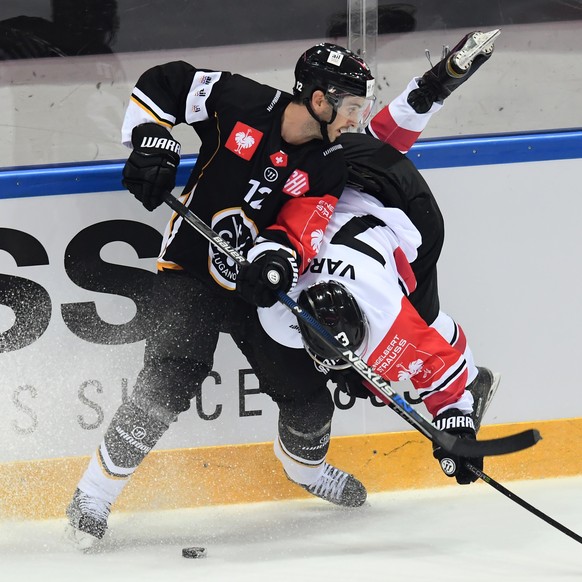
point(382, 389)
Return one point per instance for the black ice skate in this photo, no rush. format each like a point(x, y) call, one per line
point(338, 487)
point(455, 67)
point(87, 520)
point(483, 388)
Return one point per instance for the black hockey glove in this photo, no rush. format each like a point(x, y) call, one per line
point(350, 382)
point(455, 422)
point(440, 81)
point(270, 271)
point(150, 170)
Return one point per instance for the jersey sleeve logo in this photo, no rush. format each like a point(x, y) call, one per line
point(297, 184)
point(279, 159)
point(244, 140)
point(316, 239)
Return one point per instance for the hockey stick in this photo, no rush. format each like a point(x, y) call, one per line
point(380, 387)
point(522, 502)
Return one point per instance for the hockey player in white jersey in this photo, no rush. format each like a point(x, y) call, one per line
point(359, 286)
point(373, 261)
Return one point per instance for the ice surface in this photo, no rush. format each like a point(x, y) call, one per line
point(450, 534)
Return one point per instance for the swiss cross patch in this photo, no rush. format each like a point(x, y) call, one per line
point(279, 159)
point(244, 140)
point(297, 184)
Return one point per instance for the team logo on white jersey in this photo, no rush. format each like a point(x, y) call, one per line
point(412, 369)
point(316, 239)
point(404, 356)
point(244, 140)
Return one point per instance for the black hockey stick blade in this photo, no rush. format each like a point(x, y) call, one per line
point(493, 447)
point(470, 448)
point(510, 495)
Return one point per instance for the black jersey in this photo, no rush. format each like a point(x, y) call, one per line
point(247, 182)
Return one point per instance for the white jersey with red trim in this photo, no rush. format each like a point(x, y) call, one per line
point(398, 123)
point(369, 248)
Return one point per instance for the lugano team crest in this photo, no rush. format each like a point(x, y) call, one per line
point(240, 232)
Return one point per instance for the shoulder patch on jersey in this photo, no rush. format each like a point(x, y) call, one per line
point(279, 159)
point(244, 140)
point(297, 184)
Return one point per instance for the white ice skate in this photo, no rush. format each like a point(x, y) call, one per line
point(87, 520)
point(477, 43)
point(339, 487)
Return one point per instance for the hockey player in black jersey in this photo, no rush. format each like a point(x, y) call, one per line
point(267, 177)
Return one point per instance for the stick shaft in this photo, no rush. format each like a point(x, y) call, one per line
point(510, 495)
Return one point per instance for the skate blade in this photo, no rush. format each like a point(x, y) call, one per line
point(494, 386)
point(80, 540)
point(485, 404)
point(477, 43)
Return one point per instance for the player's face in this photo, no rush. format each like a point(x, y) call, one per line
point(352, 112)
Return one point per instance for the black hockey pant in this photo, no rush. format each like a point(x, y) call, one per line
point(186, 321)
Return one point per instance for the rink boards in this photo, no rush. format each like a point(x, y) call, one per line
point(73, 268)
point(178, 478)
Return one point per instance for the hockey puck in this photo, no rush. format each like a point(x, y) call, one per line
point(194, 552)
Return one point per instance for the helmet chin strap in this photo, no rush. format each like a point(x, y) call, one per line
point(322, 124)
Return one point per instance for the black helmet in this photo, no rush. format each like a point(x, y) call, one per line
point(326, 66)
point(335, 308)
